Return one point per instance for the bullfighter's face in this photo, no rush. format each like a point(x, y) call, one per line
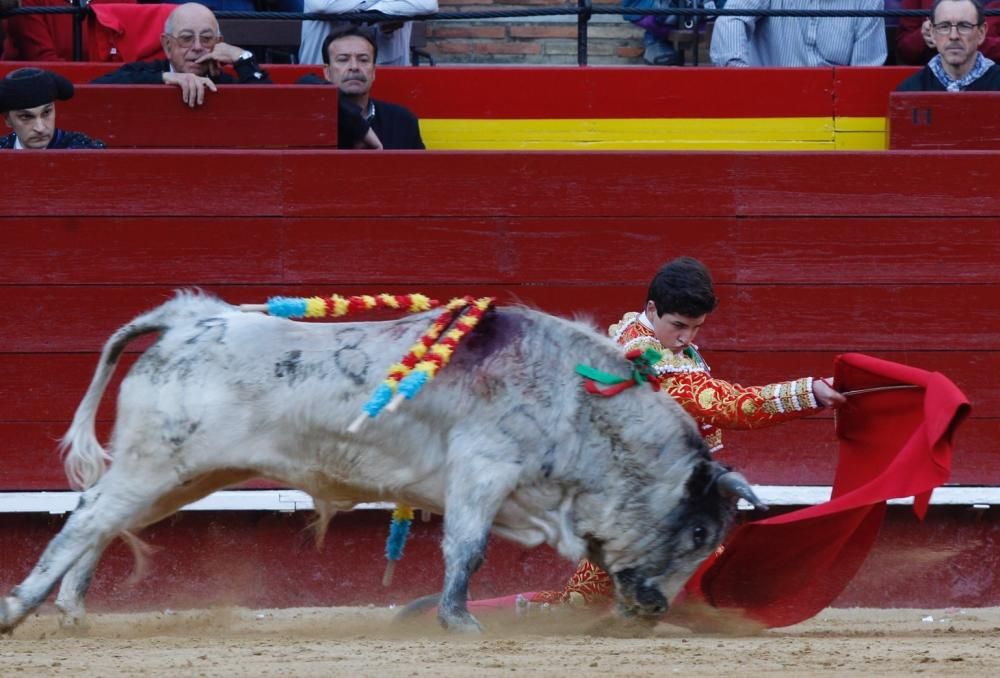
point(674, 331)
point(34, 127)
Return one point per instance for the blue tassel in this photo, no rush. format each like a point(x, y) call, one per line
point(286, 307)
point(412, 383)
point(398, 532)
point(379, 399)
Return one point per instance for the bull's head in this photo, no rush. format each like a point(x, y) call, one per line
point(690, 532)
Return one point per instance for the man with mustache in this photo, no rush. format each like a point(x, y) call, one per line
point(350, 54)
point(28, 102)
point(196, 54)
point(958, 28)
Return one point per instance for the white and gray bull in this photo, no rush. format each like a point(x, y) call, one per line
point(504, 438)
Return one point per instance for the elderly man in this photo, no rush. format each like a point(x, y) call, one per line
point(958, 28)
point(28, 102)
point(350, 54)
point(195, 53)
point(799, 41)
point(915, 39)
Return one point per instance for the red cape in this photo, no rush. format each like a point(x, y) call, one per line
point(893, 443)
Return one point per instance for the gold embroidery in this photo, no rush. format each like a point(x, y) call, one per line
point(706, 398)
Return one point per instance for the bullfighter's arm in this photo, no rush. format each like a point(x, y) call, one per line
point(726, 405)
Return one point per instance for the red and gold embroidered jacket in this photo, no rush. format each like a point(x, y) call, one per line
point(716, 404)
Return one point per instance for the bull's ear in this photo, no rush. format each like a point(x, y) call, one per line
point(702, 477)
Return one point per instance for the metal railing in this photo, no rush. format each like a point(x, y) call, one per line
point(584, 11)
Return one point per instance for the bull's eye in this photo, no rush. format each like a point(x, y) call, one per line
point(698, 536)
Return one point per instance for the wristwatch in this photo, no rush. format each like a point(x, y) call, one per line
point(245, 55)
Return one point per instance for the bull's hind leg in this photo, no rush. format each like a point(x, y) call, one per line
point(76, 581)
point(106, 509)
point(476, 489)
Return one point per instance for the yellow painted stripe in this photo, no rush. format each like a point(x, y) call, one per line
point(721, 134)
point(861, 134)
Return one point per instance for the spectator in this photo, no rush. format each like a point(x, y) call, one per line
point(39, 37)
point(350, 54)
point(915, 42)
point(799, 41)
point(958, 28)
point(392, 38)
point(195, 53)
point(28, 103)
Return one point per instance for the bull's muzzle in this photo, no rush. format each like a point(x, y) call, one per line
point(638, 599)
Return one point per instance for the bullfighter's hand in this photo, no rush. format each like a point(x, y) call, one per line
point(826, 395)
point(192, 87)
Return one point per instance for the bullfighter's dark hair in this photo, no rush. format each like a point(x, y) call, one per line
point(683, 286)
point(980, 13)
point(350, 29)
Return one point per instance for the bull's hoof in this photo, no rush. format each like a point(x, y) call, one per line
point(459, 622)
point(11, 613)
point(73, 620)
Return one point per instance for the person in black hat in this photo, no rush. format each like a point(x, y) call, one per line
point(28, 103)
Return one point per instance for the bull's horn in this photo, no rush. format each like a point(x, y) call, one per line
point(733, 484)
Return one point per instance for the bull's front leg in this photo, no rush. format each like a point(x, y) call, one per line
point(463, 548)
point(474, 496)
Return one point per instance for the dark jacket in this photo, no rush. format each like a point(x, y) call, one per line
point(61, 139)
point(924, 80)
point(397, 128)
point(151, 73)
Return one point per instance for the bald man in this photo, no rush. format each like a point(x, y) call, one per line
point(195, 53)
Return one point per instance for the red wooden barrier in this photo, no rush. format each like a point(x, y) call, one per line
point(944, 121)
point(154, 116)
point(603, 187)
point(572, 92)
point(264, 560)
point(815, 254)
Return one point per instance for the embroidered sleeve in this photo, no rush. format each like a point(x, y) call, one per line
point(726, 405)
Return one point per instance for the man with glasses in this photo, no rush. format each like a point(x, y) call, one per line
point(958, 28)
point(196, 54)
point(915, 38)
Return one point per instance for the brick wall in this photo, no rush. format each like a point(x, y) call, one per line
point(535, 40)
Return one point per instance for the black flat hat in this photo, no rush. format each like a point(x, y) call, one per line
point(31, 87)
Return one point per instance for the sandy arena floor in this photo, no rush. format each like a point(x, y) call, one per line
point(359, 641)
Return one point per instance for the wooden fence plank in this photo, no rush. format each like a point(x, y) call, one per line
point(543, 184)
point(528, 250)
point(751, 317)
point(154, 116)
point(937, 121)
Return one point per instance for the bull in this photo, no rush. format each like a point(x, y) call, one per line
point(505, 439)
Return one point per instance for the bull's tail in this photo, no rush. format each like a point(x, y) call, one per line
point(84, 459)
